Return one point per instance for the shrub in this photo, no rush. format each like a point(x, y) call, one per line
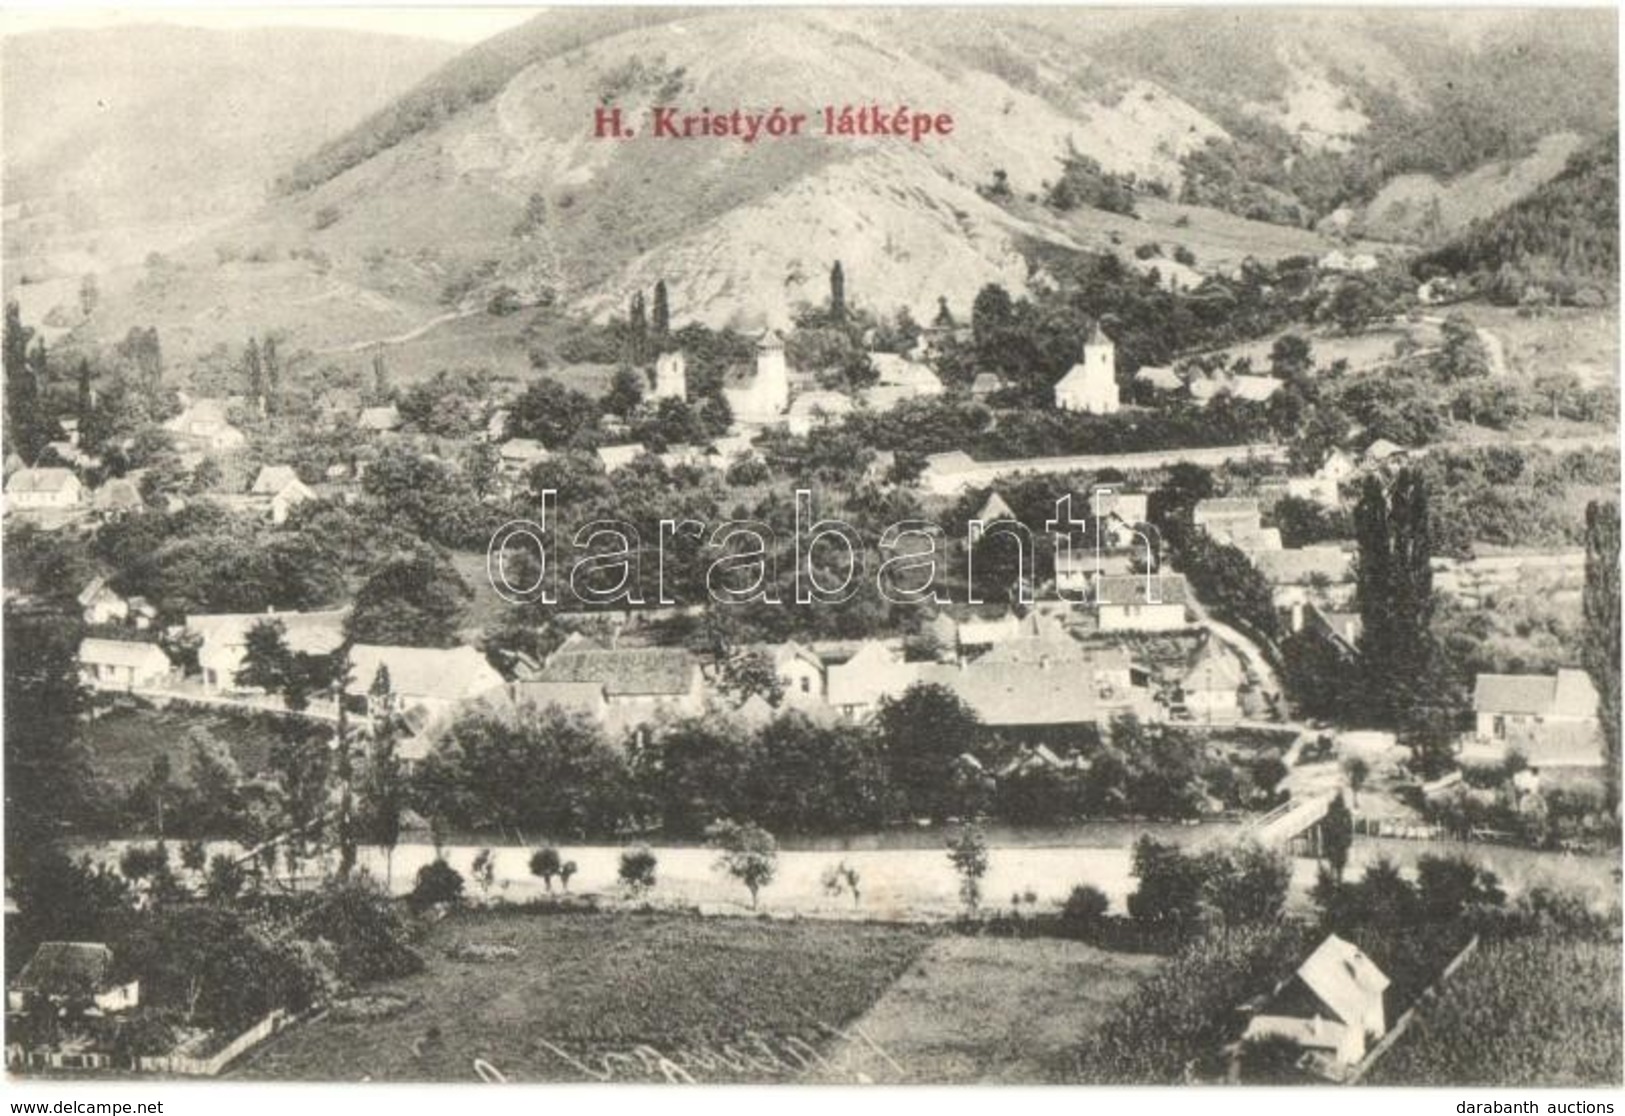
point(437, 882)
point(371, 939)
point(1083, 911)
point(968, 854)
point(545, 865)
point(637, 869)
point(748, 853)
point(566, 870)
point(841, 878)
point(485, 869)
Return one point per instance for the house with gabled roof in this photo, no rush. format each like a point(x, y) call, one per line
point(272, 479)
point(637, 681)
point(224, 639)
point(43, 489)
point(1210, 687)
point(72, 975)
point(799, 670)
point(430, 679)
point(618, 457)
point(1550, 718)
point(1332, 1006)
point(994, 508)
point(122, 665)
point(379, 420)
point(1139, 602)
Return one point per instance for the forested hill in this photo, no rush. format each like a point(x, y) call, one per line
point(1565, 236)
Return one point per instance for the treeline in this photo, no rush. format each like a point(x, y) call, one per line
point(1564, 237)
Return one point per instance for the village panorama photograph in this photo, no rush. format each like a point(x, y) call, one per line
point(913, 546)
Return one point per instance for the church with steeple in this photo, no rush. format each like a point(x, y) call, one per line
point(1091, 385)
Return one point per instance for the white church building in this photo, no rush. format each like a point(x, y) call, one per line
point(759, 397)
point(1091, 385)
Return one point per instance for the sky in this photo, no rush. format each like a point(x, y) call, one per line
point(453, 23)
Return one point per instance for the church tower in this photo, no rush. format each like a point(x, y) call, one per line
point(772, 374)
point(1091, 385)
point(671, 376)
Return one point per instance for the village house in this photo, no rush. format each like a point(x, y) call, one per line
point(204, 425)
point(799, 670)
point(1330, 1007)
point(758, 396)
point(812, 409)
point(618, 457)
point(517, 455)
point(994, 508)
point(46, 489)
point(1209, 689)
point(899, 379)
point(272, 479)
point(1090, 386)
point(984, 385)
point(72, 977)
point(1551, 719)
point(683, 455)
point(1140, 602)
point(290, 496)
point(122, 665)
point(1158, 380)
point(224, 639)
point(1028, 697)
point(100, 604)
point(379, 420)
point(729, 448)
point(424, 682)
point(118, 496)
point(637, 682)
point(1311, 573)
point(875, 671)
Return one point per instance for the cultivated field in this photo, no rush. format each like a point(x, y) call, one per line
point(1537, 1012)
point(605, 997)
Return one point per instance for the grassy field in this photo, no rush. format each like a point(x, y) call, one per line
point(993, 1010)
point(123, 743)
point(1533, 1012)
point(605, 997)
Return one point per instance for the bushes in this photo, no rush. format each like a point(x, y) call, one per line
point(637, 870)
point(437, 882)
point(1236, 885)
point(1084, 911)
point(368, 935)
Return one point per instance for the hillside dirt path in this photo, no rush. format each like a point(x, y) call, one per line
point(401, 338)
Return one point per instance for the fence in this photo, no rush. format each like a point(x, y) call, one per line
point(178, 1064)
point(1404, 1021)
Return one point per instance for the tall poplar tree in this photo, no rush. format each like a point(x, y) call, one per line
point(1394, 593)
point(662, 312)
point(837, 293)
point(1599, 649)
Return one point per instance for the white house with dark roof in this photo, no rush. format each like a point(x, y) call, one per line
point(379, 420)
point(122, 665)
point(1140, 602)
point(44, 489)
point(636, 681)
point(619, 457)
point(432, 680)
point(224, 639)
point(1330, 1007)
point(1550, 718)
point(799, 670)
point(62, 974)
